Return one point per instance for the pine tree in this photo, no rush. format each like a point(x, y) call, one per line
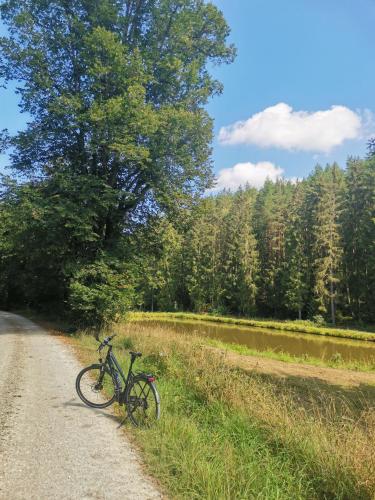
point(239, 256)
point(271, 221)
point(294, 282)
point(202, 253)
point(359, 238)
point(326, 195)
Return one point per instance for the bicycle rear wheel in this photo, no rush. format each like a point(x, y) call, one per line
point(143, 402)
point(95, 387)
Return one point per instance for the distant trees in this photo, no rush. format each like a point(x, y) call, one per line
point(287, 250)
point(325, 205)
point(359, 238)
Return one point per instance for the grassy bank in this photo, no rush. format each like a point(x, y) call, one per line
point(288, 326)
point(335, 362)
point(226, 434)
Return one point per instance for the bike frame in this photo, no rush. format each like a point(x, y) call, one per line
point(114, 367)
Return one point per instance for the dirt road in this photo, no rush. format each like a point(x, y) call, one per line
point(335, 376)
point(51, 445)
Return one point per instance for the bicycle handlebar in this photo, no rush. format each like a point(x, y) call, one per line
point(105, 342)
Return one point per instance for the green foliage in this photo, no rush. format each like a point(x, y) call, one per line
point(116, 156)
point(99, 295)
point(287, 250)
point(117, 90)
point(325, 199)
point(294, 275)
point(318, 320)
point(239, 255)
point(118, 130)
point(50, 228)
point(359, 238)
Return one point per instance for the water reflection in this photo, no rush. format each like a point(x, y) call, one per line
point(263, 339)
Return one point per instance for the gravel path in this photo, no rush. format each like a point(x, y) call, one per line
point(51, 445)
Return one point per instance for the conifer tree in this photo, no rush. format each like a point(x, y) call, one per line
point(359, 238)
point(239, 257)
point(203, 251)
point(294, 282)
point(326, 195)
point(271, 222)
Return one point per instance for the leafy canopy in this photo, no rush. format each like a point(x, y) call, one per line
point(116, 89)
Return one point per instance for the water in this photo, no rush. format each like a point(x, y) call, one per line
point(262, 339)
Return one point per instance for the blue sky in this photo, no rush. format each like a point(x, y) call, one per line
point(308, 54)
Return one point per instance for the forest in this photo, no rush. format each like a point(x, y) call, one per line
point(288, 250)
point(106, 206)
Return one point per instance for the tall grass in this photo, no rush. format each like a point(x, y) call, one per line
point(226, 434)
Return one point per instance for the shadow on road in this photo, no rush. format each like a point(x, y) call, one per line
point(98, 412)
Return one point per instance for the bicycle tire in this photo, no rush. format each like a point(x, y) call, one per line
point(96, 386)
point(142, 402)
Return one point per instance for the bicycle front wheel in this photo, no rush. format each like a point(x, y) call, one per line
point(95, 387)
point(143, 402)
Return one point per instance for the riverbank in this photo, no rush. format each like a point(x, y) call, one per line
point(288, 326)
point(264, 344)
point(228, 433)
point(283, 358)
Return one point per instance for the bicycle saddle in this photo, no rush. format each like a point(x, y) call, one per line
point(136, 354)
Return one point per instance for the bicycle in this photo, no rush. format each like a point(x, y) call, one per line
point(106, 382)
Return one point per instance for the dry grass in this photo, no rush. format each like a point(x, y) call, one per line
point(225, 433)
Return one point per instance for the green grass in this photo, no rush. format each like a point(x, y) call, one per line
point(334, 362)
point(224, 434)
point(289, 326)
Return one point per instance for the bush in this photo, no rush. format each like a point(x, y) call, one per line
point(99, 295)
point(336, 358)
point(318, 320)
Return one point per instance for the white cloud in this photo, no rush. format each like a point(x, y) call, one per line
point(253, 174)
point(279, 126)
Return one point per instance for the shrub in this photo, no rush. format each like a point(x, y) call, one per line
point(318, 320)
point(336, 358)
point(99, 294)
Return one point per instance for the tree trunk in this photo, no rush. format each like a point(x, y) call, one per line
point(333, 315)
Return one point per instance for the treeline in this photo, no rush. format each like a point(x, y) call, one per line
point(104, 209)
point(288, 250)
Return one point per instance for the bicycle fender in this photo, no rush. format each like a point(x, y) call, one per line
point(145, 376)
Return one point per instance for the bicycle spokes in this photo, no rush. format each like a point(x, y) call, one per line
point(94, 386)
point(142, 403)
